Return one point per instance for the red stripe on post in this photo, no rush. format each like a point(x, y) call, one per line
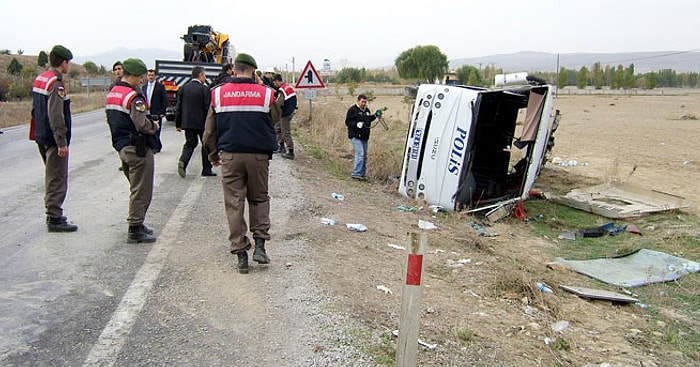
point(413, 269)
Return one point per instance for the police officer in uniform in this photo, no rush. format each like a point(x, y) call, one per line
point(134, 137)
point(240, 137)
point(283, 128)
point(51, 129)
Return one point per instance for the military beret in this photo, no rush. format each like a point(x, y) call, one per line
point(62, 52)
point(134, 66)
point(246, 59)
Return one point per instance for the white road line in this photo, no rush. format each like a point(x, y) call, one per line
point(113, 337)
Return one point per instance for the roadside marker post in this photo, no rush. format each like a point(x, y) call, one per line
point(411, 297)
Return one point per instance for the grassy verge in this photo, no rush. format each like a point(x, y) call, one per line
point(18, 113)
point(673, 307)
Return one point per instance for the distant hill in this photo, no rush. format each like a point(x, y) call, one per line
point(543, 61)
point(149, 56)
point(28, 61)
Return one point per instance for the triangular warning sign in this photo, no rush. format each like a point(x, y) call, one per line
point(309, 78)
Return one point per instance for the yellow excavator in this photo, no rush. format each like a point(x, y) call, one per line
point(203, 47)
point(204, 44)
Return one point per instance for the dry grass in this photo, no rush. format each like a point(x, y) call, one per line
point(18, 113)
point(325, 135)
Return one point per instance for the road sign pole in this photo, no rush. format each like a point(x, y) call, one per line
point(411, 296)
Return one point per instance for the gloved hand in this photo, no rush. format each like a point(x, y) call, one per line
point(378, 113)
point(360, 125)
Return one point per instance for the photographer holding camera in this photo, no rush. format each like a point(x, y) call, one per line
point(359, 121)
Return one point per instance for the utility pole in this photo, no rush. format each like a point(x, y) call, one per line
point(556, 94)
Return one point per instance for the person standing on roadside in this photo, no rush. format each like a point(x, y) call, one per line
point(224, 76)
point(134, 137)
point(283, 128)
point(267, 77)
point(358, 121)
point(157, 102)
point(241, 138)
point(51, 129)
point(118, 71)
point(193, 101)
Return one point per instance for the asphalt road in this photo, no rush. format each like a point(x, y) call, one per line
point(89, 299)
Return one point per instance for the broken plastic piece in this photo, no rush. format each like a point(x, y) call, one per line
point(356, 227)
point(426, 225)
point(384, 289)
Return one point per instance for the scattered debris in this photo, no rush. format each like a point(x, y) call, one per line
point(397, 247)
point(356, 227)
point(617, 200)
point(544, 288)
point(482, 232)
point(328, 221)
point(403, 208)
point(566, 163)
point(426, 225)
point(337, 196)
point(384, 289)
point(436, 208)
point(589, 293)
point(560, 326)
point(609, 229)
point(395, 333)
point(459, 263)
point(499, 213)
point(634, 269)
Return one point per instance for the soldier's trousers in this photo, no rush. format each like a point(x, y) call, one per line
point(245, 178)
point(140, 172)
point(55, 180)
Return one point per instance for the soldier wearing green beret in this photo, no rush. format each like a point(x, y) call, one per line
point(51, 129)
point(134, 137)
point(240, 138)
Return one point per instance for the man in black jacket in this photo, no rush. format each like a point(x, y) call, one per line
point(193, 101)
point(157, 99)
point(359, 121)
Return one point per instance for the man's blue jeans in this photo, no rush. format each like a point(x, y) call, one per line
point(359, 168)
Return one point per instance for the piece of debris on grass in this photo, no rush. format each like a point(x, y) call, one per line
point(384, 289)
point(395, 333)
point(403, 208)
point(397, 247)
point(356, 227)
point(560, 326)
point(589, 293)
point(422, 224)
point(459, 263)
point(481, 230)
point(567, 235)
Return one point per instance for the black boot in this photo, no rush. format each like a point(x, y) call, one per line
point(60, 224)
point(242, 262)
point(288, 155)
point(259, 255)
point(281, 149)
point(138, 234)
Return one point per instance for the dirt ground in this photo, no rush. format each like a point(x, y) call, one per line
point(477, 305)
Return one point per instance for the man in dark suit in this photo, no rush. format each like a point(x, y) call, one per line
point(193, 100)
point(157, 101)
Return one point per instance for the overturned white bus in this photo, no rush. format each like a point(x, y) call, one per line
point(462, 152)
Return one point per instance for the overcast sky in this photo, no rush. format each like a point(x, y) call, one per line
point(357, 33)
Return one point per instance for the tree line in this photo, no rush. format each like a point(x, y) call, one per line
point(422, 64)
